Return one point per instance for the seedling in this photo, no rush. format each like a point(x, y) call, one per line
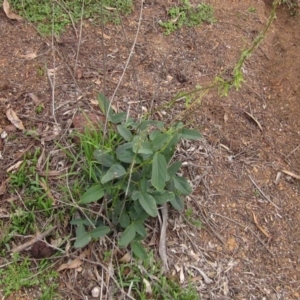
point(187, 15)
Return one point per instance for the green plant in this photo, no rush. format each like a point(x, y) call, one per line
point(56, 15)
point(189, 215)
point(187, 15)
point(147, 282)
point(39, 109)
point(129, 164)
point(252, 9)
point(18, 274)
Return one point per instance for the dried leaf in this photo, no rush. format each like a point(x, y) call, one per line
point(15, 167)
point(31, 55)
point(34, 98)
point(3, 187)
point(74, 264)
point(4, 213)
point(148, 288)
point(13, 118)
point(9, 13)
point(125, 258)
point(105, 36)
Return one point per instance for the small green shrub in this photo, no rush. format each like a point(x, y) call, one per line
point(132, 172)
point(187, 15)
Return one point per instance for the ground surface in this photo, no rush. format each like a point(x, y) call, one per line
point(248, 203)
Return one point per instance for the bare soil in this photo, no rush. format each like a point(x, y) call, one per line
point(245, 170)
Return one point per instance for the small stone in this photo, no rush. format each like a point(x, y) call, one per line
point(95, 292)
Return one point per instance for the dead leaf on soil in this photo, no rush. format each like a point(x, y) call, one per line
point(34, 98)
point(3, 187)
point(31, 55)
point(13, 118)
point(231, 244)
point(15, 167)
point(74, 264)
point(4, 213)
point(148, 288)
point(9, 13)
point(105, 36)
point(125, 258)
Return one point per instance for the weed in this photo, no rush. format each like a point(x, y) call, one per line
point(187, 15)
point(189, 215)
point(252, 10)
point(39, 109)
point(19, 274)
point(130, 170)
point(56, 15)
point(147, 282)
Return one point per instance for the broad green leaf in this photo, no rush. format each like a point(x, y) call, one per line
point(105, 106)
point(77, 221)
point(127, 236)
point(124, 153)
point(99, 232)
point(146, 123)
point(124, 132)
point(140, 229)
point(118, 118)
point(159, 171)
point(174, 168)
point(113, 172)
point(154, 134)
point(104, 159)
point(145, 148)
point(138, 250)
point(93, 194)
point(82, 240)
point(179, 125)
point(177, 203)
point(163, 196)
point(182, 185)
point(148, 203)
point(124, 220)
point(143, 185)
point(135, 195)
point(190, 134)
point(160, 141)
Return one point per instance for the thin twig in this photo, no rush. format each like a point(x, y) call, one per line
point(293, 151)
point(39, 237)
point(262, 193)
point(127, 62)
point(163, 240)
point(79, 39)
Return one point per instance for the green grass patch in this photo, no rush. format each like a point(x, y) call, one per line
point(187, 15)
point(56, 15)
point(20, 274)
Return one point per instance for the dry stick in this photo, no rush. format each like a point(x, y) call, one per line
point(79, 38)
point(262, 193)
point(127, 62)
point(32, 241)
point(163, 240)
point(293, 151)
point(52, 82)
